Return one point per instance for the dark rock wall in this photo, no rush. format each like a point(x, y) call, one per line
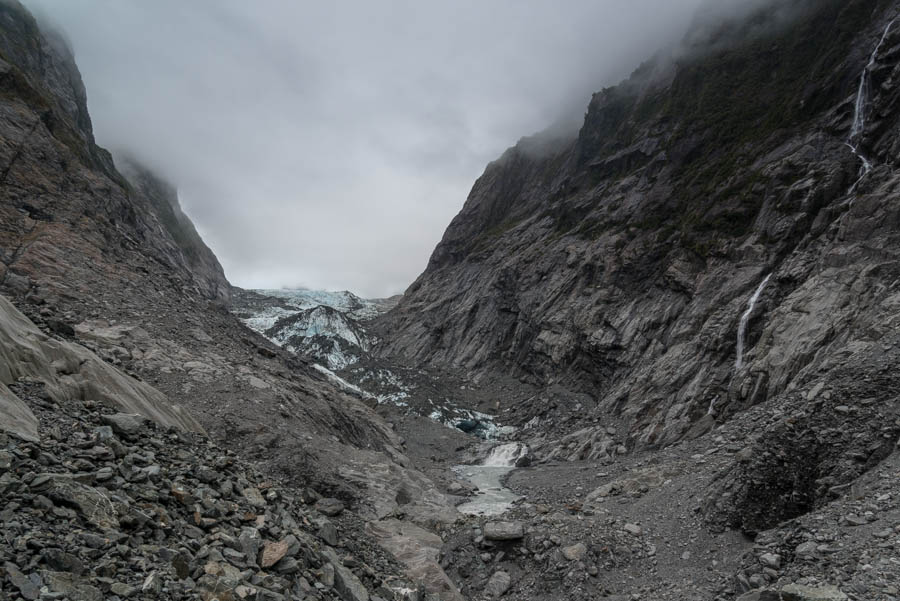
point(619, 264)
point(66, 209)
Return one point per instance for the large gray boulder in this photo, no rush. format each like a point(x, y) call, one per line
point(70, 371)
point(346, 583)
point(16, 417)
point(126, 424)
point(796, 592)
point(498, 584)
point(504, 531)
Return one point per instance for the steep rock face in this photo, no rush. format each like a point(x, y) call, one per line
point(186, 249)
point(69, 218)
point(620, 264)
point(45, 57)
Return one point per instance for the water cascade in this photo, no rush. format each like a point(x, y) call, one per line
point(859, 111)
point(745, 319)
point(492, 497)
point(506, 455)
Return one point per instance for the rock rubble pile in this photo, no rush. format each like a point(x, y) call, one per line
point(110, 506)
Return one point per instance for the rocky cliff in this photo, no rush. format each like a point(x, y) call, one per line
point(69, 216)
point(721, 235)
point(620, 263)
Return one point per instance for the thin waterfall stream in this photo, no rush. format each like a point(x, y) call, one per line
point(745, 320)
point(859, 112)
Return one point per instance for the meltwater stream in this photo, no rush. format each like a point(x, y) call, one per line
point(492, 497)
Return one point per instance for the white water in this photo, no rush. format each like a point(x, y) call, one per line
point(506, 455)
point(745, 319)
point(492, 498)
point(859, 111)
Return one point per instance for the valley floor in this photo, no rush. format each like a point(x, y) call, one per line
point(723, 514)
point(637, 526)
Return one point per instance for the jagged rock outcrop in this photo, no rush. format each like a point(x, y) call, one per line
point(619, 264)
point(43, 57)
point(745, 190)
point(322, 333)
point(190, 252)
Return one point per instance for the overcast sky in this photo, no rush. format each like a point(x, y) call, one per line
point(328, 144)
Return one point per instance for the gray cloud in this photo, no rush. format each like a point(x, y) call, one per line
point(329, 144)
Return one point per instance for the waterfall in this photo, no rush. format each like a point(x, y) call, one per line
point(859, 111)
point(745, 319)
point(492, 497)
point(506, 455)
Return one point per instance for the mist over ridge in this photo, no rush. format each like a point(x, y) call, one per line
point(329, 146)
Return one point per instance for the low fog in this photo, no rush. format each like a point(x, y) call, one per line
point(329, 144)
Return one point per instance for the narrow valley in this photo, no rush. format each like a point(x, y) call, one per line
point(655, 358)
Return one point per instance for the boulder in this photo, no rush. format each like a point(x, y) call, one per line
point(770, 560)
point(255, 498)
point(633, 529)
point(15, 416)
point(346, 583)
point(330, 507)
point(504, 531)
point(807, 550)
point(71, 586)
point(497, 585)
point(250, 541)
point(574, 552)
point(65, 490)
point(27, 587)
point(125, 424)
point(272, 553)
point(327, 531)
point(797, 592)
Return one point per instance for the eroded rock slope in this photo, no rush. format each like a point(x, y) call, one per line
point(100, 257)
